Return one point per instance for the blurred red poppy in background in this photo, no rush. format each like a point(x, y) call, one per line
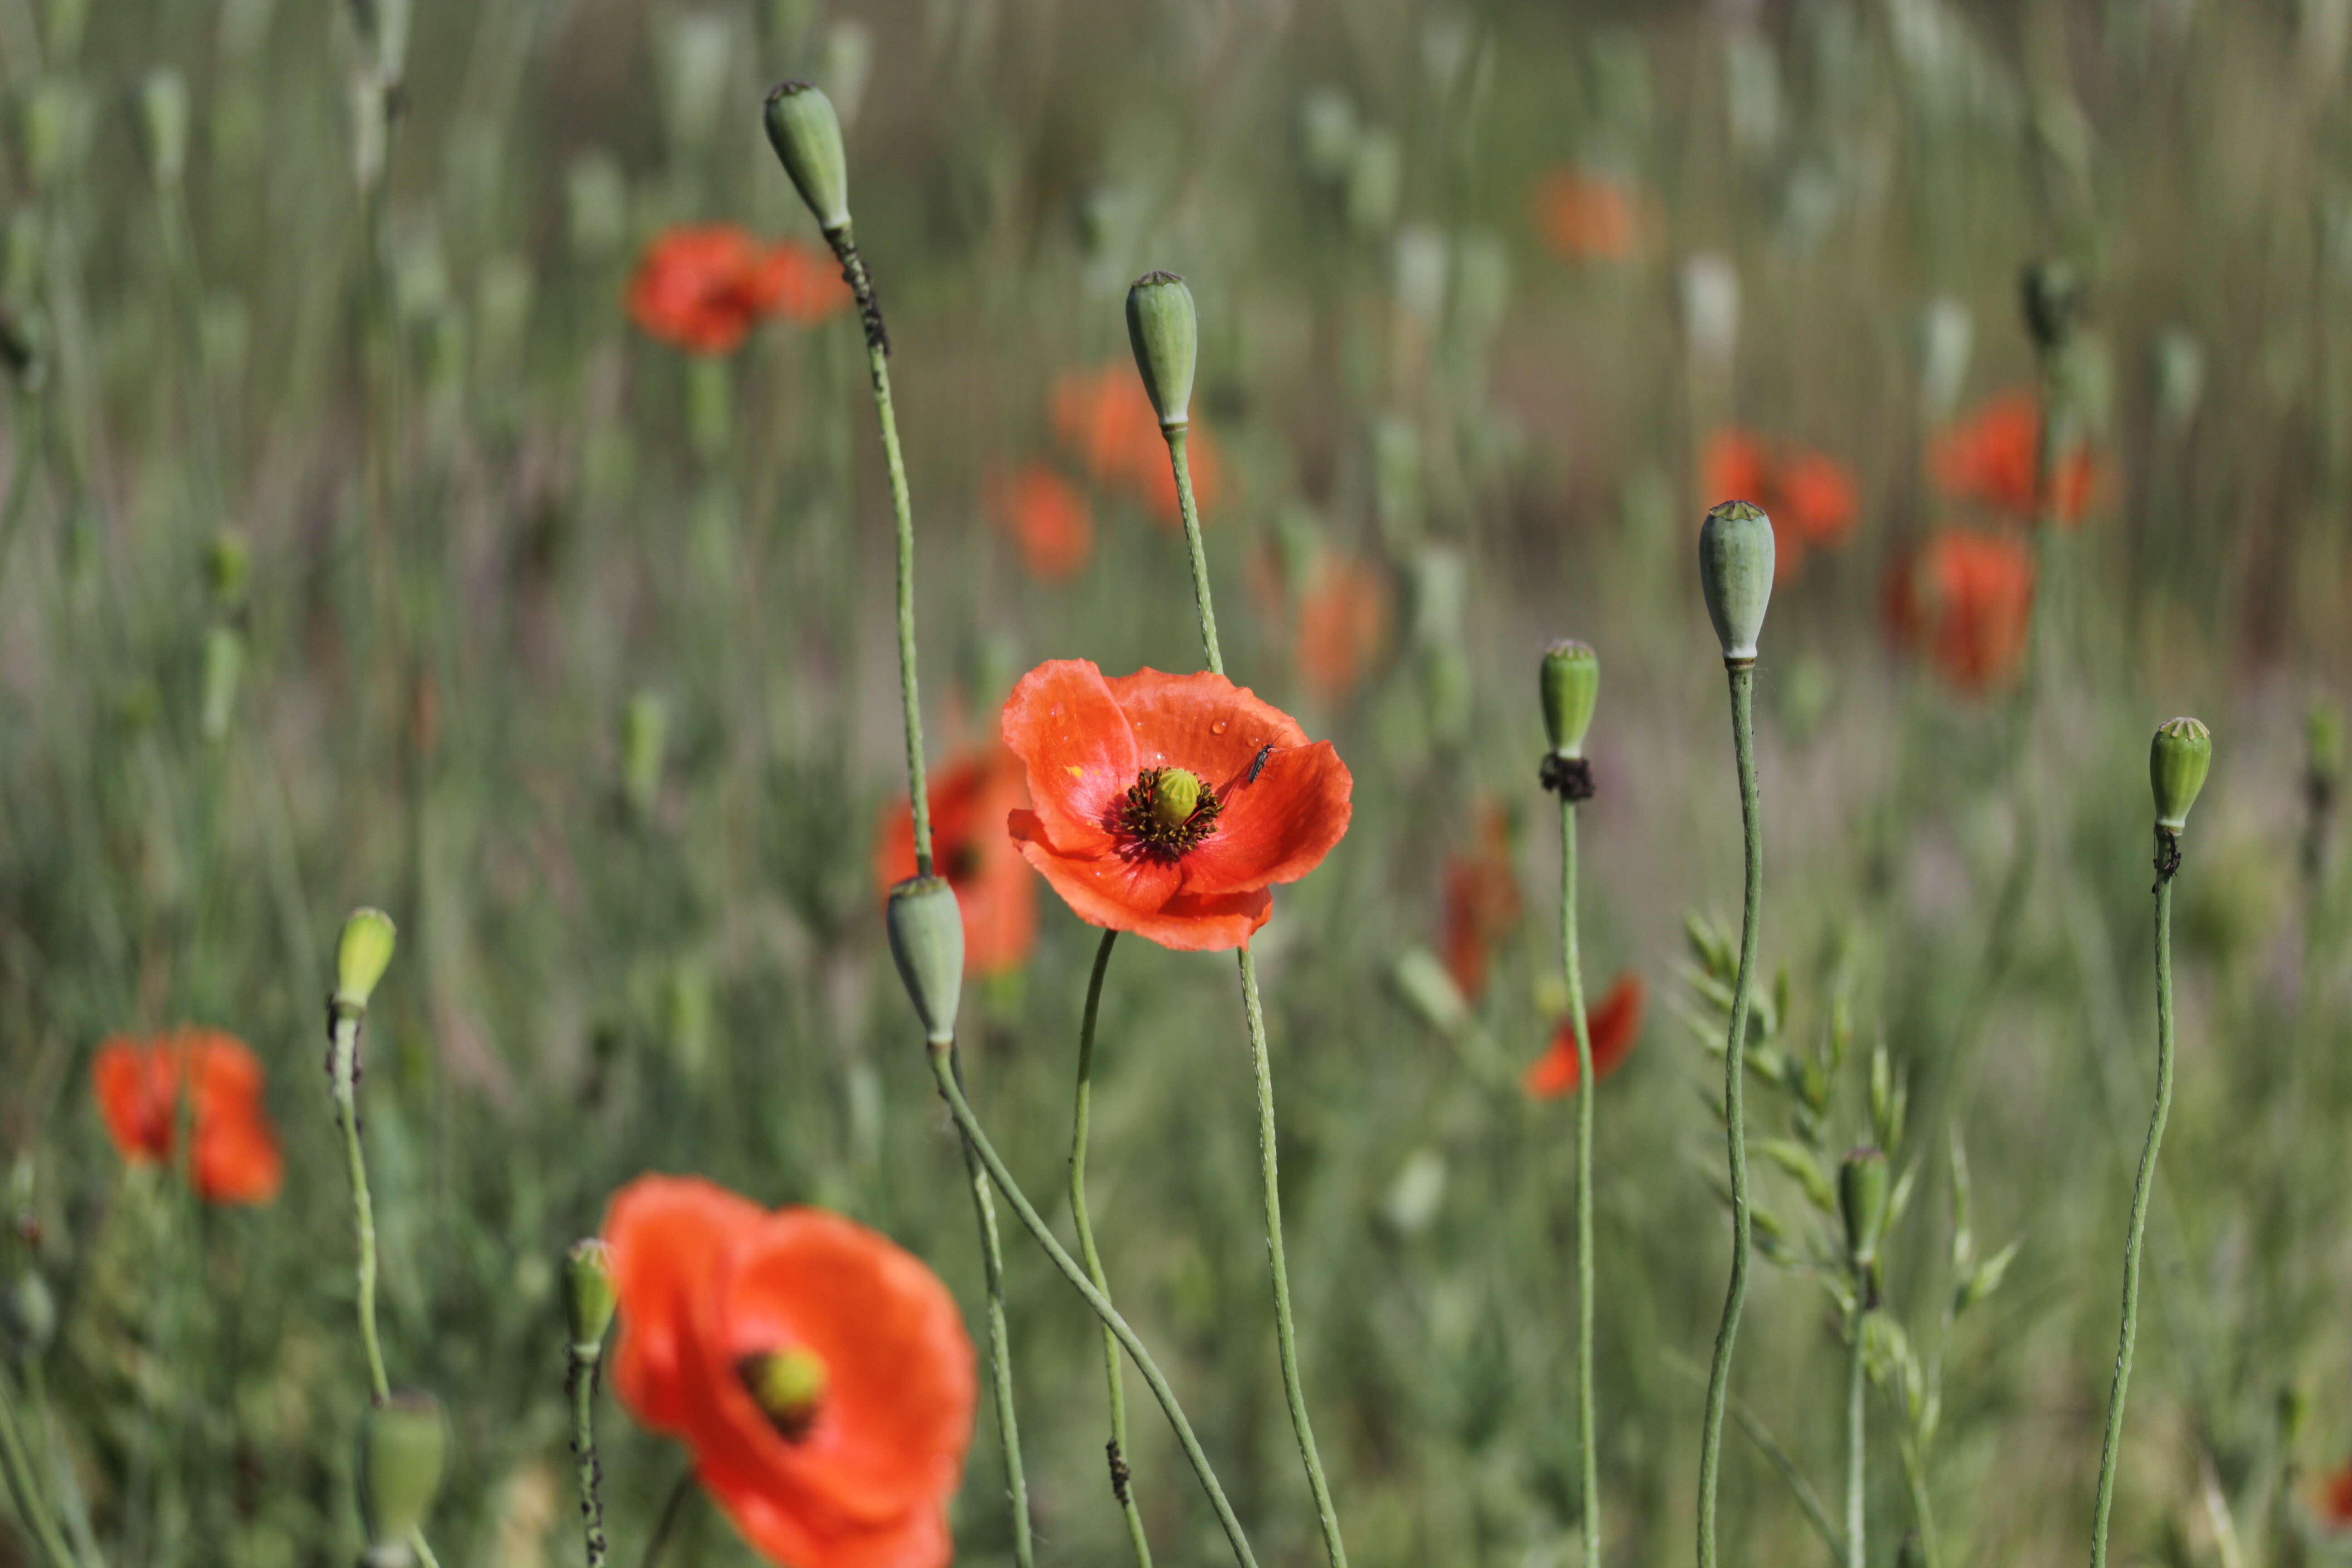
point(1966, 601)
point(1482, 899)
point(1616, 1025)
point(1343, 622)
point(1811, 497)
point(1583, 214)
point(138, 1086)
point(2334, 1504)
point(702, 287)
point(1106, 420)
point(1992, 455)
point(1047, 517)
point(972, 797)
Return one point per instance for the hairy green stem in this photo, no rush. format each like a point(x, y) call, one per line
point(1742, 676)
point(1191, 513)
point(1000, 1349)
point(344, 1074)
point(1783, 1463)
point(943, 1071)
point(586, 1361)
point(1121, 1481)
point(1855, 1383)
point(1587, 1427)
point(2142, 1189)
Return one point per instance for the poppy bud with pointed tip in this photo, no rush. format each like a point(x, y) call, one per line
point(362, 956)
point(1734, 572)
point(588, 1295)
point(1166, 337)
point(404, 1443)
point(2177, 764)
point(1862, 1197)
point(1571, 685)
point(2054, 302)
point(806, 134)
point(927, 944)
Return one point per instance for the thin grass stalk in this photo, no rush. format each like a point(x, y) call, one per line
point(1856, 1382)
point(1081, 1120)
point(673, 1508)
point(999, 1352)
point(344, 1073)
point(1742, 675)
point(1587, 1424)
point(942, 1070)
point(24, 1485)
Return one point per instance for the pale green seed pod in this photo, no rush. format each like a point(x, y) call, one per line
point(1166, 336)
point(2176, 764)
point(403, 1444)
point(927, 944)
point(1570, 684)
point(806, 134)
point(1862, 1198)
point(588, 1295)
point(362, 956)
point(1734, 572)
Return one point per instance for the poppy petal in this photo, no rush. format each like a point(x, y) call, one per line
point(1062, 721)
point(666, 1235)
point(1277, 827)
point(1201, 721)
point(1174, 918)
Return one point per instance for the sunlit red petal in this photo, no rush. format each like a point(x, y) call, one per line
point(1063, 722)
point(1616, 1025)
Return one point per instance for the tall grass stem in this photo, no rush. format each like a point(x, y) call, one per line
point(1000, 1350)
point(1587, 1424)
point(344, 1074)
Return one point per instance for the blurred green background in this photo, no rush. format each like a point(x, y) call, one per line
point(572, 650)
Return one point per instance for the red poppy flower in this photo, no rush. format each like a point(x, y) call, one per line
point(1812, 497)
point(1992, 457)
point(820, 1374)
point(1965, 600)
point(1106, 419)
point(2333, 1503)
point(138, 1086)
point(1616, 1025)
point(1047, 518)
point(702, 287)
point(971, 798)
point(1482, 900)
point(1583, 216)
point(1168, 804)
point(1343, 620)
point(1737, 466)
point(804, 281)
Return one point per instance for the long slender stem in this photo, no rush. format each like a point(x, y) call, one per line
point(24, 1486)
point(1191, 513)
point(1809, 1502)
point(343, 1071)
point(943, 1071)
point(1718, 1383)
point(1923, 1507)
point(681, 1492)
point(1081, 1118)
point(1854, 1475)
point(586, 1361)
point(2141, 1190)
point(1587, 1425)
point(1000, 1351)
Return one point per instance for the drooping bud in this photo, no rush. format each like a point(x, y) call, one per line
point(2177, 764)
point(2054, 304)
point(1734, 572)
point(1862, 1197)
point(588, 1295)
point(927, 944)
point(403, 1444)
point(788, 1385)
point(1174, 795)
point(1166, 336)
point(362, 956)
point(1571, 685)
point(806, 134)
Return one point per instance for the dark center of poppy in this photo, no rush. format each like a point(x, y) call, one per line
point(960, 861)
point(1167, 811)
point(788, 1385)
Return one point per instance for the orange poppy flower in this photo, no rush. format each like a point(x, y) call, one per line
point(1343, 621)
point(1992, 457)
point(138, 1086)
point(1812, 497)
point(971, 798)
point(1106, 419)
point(702, 287)
point(1966, 601)
point(804, 281)
point(1584, 216)
point(1168, 804)
point(820, 1374)
point(1047, 518)
point(1482, 900)
point(1616, 1025)
point(2333, 1503)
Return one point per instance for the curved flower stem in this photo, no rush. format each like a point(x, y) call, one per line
point(1586, 1423)
point(1000, 1348)
point(943, 1071)
point(1854, 1429)
point(1742, 676)
point(344, 1077)
point(1121, 1485)
point(1191, 513)
point(2141, 1190)
point(586, 1361)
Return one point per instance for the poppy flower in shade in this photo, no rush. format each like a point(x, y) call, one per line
point(1107, 421)
point(971, 798)
point(1168, 804)
point(1616, 1025)
point(2333, 1503)
point(1047, 517)
point(702, 287)
point(819, 1374)
point(805, 282)
point(1810, 495)
point(1482, 901)
point(1992, 455)
point(1584, 216)
point(139, 1083)
point(1343, 622)
point(1966, 601)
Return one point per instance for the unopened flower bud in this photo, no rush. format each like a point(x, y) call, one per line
point(1734, 572)
point(403, 1445)
point(362, 956)
point(1166, 336)
point(2177, 764)
point(2054, 304)
point(1571, 685)
point(806, 134)
point(1862, 1197)
point(927, 944)
point(588, 1295)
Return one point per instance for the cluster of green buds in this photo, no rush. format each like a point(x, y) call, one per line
point(404, 1446)
point(1735, 573)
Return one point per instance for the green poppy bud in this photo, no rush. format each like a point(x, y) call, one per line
point(927, 944)
point(588, 1295)
point(1734, 572)
point(362, 956)
point(1174, 795)
point(806, 135)
point(1862, 1197)
point(1571, 685)
point(403, 1445)
point(2054, 304)
point(2177, 764)
point(1166, 336)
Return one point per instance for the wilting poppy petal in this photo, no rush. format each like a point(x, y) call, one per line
point(1616, 1025)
